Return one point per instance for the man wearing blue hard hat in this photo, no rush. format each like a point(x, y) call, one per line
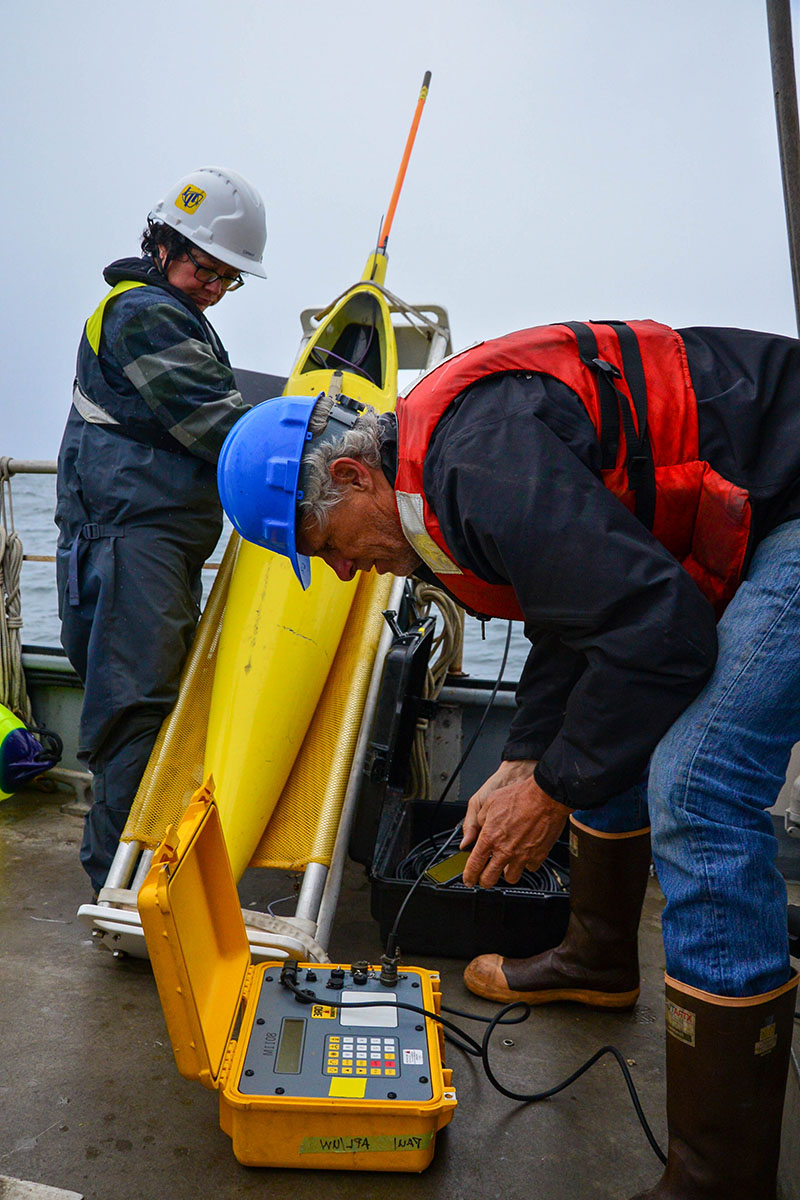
point(138, 511)
point(632, 493)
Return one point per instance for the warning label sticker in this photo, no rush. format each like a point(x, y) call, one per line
point(768, 1038)
point(413, 1058)
point(680, 1022)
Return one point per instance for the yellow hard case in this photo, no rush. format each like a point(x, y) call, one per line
point(200, 955)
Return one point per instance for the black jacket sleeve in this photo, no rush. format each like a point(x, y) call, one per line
point(623, 638)
point(548, 676)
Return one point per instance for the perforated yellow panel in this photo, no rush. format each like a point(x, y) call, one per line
point(304, 823)
point(175, 770)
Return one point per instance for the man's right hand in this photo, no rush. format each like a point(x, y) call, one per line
point(507, 772)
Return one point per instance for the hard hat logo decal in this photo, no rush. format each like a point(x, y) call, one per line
point(190, 199)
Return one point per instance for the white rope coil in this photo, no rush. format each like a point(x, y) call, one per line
point(13, 692)
point(446, 649)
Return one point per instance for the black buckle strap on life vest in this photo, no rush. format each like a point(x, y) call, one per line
point(609, 396)
point(639, 461)
point(639, 465)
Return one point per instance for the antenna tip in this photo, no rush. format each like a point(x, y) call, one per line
point(426, 82)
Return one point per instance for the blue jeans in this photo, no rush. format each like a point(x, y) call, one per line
point(714, 776)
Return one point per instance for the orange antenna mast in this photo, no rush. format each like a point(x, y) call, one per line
point(401, 174)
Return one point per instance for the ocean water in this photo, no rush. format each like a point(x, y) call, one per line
point(34, 498)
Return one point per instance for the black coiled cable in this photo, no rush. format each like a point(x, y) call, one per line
point(551, 878)
point(457, 1036)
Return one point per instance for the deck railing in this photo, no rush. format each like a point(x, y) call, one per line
point(36, 466)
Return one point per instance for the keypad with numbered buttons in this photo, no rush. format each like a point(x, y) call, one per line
point(368, 1056)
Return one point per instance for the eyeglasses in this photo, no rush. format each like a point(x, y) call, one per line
point(208, 275)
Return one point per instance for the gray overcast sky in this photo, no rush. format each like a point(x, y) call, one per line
point(574, 160)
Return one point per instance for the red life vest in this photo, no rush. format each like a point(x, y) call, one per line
point(634, 382)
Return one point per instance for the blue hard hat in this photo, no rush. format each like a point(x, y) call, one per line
point(258, 472)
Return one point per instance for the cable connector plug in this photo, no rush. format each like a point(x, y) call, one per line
point(388, 976)
point(289, 973)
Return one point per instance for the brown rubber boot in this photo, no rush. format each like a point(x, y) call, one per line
point(727, 1062)
point(598, 961)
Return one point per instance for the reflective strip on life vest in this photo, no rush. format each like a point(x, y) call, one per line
point(91, 412)
point(411, 510)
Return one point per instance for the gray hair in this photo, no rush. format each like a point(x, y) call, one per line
point(362, 442)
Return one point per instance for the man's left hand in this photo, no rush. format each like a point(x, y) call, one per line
point(519, 826)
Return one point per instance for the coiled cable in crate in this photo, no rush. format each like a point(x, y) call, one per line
point(551, 878)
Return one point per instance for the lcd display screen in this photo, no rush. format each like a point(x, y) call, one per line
point(290, 1049)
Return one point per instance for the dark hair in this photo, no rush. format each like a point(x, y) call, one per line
point(156, 235)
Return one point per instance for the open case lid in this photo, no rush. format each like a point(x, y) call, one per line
point(196, 938)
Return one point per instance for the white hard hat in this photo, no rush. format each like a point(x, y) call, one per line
point(220, 212)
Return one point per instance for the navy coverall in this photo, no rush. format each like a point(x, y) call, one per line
point(138, 514)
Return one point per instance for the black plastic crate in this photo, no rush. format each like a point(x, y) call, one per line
point(455, 921)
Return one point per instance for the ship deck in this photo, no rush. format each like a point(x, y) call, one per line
point(93, 1104)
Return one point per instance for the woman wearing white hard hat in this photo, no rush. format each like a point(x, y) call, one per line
point(138, 511)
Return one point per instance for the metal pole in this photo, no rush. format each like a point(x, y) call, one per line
point(311, 891)
point(123, 864)
point(142, 868)
point(779, 20)
point(31, 466)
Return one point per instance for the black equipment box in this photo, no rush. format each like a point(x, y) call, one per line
point(453, 920)
point(456, 921)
